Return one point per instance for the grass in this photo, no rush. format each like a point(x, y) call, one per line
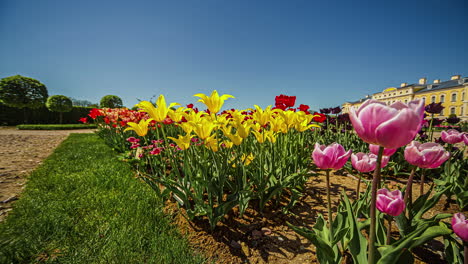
point(84, 206)
point(55, 127)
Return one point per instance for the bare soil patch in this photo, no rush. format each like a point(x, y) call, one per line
point(21, 151)
point(266, 238)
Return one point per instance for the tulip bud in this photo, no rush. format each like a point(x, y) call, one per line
point(460, 226)
point(333, 156)
point(389, 126)
point(390, 202)
point(451, 136)
point(428, 155)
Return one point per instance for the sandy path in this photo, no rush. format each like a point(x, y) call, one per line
point(21, 151)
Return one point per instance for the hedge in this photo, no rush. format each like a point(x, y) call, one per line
point(14, 116)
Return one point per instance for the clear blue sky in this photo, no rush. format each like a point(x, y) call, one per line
point(324, 52)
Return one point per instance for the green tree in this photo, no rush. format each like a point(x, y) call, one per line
point(21, 92)
point(111, 101)
point(59, 103)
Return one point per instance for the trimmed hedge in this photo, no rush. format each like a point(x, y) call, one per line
point(55, 127)
point(15, 116)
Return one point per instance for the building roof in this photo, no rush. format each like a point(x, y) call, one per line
point(443, 85)
point(359, 101)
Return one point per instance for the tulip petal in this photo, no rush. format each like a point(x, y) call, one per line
point(399, 130)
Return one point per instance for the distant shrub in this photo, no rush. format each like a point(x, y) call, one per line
point(111, 101)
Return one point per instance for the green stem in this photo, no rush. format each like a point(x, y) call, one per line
point(389, 229)
point(408, 197)
point(375, 185)
point(358, 186)
point(431, 132)
point(421, 190)
point(330, 216)
point(466, 253)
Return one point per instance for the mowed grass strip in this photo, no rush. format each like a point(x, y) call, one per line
point(84, 206)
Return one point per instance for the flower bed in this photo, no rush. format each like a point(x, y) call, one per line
point(212, 162)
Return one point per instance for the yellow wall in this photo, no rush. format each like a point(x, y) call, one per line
point(406, 94)
point(458, 104)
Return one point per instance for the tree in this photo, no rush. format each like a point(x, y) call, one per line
point(21, 92)
point(111, 101)
point(59, 103)
point(83, 103)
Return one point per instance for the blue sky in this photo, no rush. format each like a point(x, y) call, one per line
point(324, 52)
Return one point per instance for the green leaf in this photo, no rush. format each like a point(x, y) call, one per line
point(391, 254)
point(325, 253)
point(357, 242)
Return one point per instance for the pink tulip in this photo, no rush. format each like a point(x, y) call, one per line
point(375, 150)
point(333, 156)
point(390, 202)
point(388, 126)
point(428, 155)
point(367, 162)
point(460, 226)
point(465, 138)
point(451, 136)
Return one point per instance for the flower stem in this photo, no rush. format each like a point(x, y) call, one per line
point(375, 186)
point(421, 190)
point(408, 197)
point(431, 132)
point(389, 229)
point(466, 253)
point(358, 186)
point(330, 216)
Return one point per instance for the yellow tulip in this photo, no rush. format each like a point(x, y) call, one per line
point(244, 159)
point(235, 138)
point(203, 128)
point(158, 113)
point(176, 115)
point(271, 136)
point(260, 136)
point(187, 127)
point(303, 122)
point(191, 116)
point(141, 128)
point(262, 116)
point(183, 141)
point(289, 118)
point(227, 144)
point(277, 124)
point(242, 127)
point(212, 143)
point(214, 102)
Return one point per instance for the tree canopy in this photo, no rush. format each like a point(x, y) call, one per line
point(19, 91)
point(111, 101)
point(59, 103)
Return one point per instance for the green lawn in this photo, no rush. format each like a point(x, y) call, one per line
point(83, 206)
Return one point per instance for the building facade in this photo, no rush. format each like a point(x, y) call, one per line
point(452, 93)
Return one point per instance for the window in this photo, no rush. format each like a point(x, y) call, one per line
point(454, 97)
point(424, 99)
point(442, 98)
point(406, 91)
point(406, 101)
point(433, 99)
point(463, 96)
point(441, 112)
point(461, 111)
point(452, 110)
